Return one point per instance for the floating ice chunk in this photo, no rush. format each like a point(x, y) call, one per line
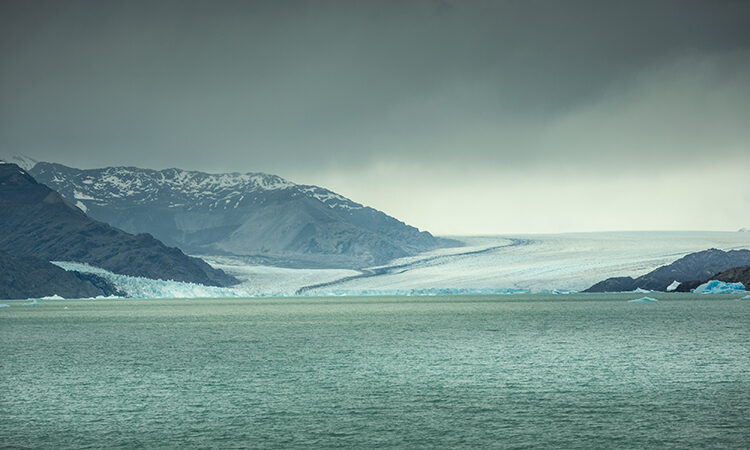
point(719, 287)
point(559, 292)
point(675, 284)
point(33, 302)
point(643, 300)
point(641, 291)
point(53, 297)
point(4, 306)
point(747, 297)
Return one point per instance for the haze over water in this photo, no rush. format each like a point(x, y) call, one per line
point(572, 371)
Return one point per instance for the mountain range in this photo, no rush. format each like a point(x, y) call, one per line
point(37, 222)
point(262, 217)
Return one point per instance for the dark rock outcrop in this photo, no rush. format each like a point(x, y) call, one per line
point(258, 216)
point(735, 275)
point(28, 277)
point(695, 266)
point(36, 221)
point(614, 284)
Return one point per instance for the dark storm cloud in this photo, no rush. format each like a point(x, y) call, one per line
point(285, 86)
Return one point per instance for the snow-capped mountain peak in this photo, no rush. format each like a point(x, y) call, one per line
point(176, 187)
point(22, 161)
point(252, 214)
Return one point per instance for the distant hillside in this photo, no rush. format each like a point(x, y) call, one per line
point(27, 277)
point(36, 221)
point(256, 214)
point(695, 266)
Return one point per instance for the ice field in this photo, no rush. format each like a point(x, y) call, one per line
point(495, 264)
point(555, 263)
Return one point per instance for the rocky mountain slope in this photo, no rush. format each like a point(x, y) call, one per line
point(734, 275)
point(695, 266)
point(36, 221)
point(27, 277)
point(258, 215)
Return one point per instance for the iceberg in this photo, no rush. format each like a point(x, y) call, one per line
point(139, 287)
point(4, 306)
point(747, 297)
point(643, 300)
point(33, 302)
point(675, 284)
point(718, 287)
point(558, 292)
point(641, 291)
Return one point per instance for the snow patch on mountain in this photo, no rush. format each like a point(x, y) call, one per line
point(81, 196)
point(331, 199)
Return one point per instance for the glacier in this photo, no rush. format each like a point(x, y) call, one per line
point(261, 280)
point(643, 300)
point(489, 265)
point(718, 287)
point(139, 287)
point(538, 263)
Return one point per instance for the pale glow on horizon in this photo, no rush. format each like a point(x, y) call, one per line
point(487, 203)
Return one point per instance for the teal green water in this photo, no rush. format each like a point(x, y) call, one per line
point(581, 371)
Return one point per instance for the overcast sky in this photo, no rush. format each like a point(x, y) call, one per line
point(457, 117)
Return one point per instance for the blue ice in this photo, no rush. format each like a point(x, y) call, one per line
point(719, 287)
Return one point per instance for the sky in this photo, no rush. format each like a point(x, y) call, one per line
point(458, 117)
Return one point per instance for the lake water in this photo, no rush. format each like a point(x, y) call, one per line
point(511, 371)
